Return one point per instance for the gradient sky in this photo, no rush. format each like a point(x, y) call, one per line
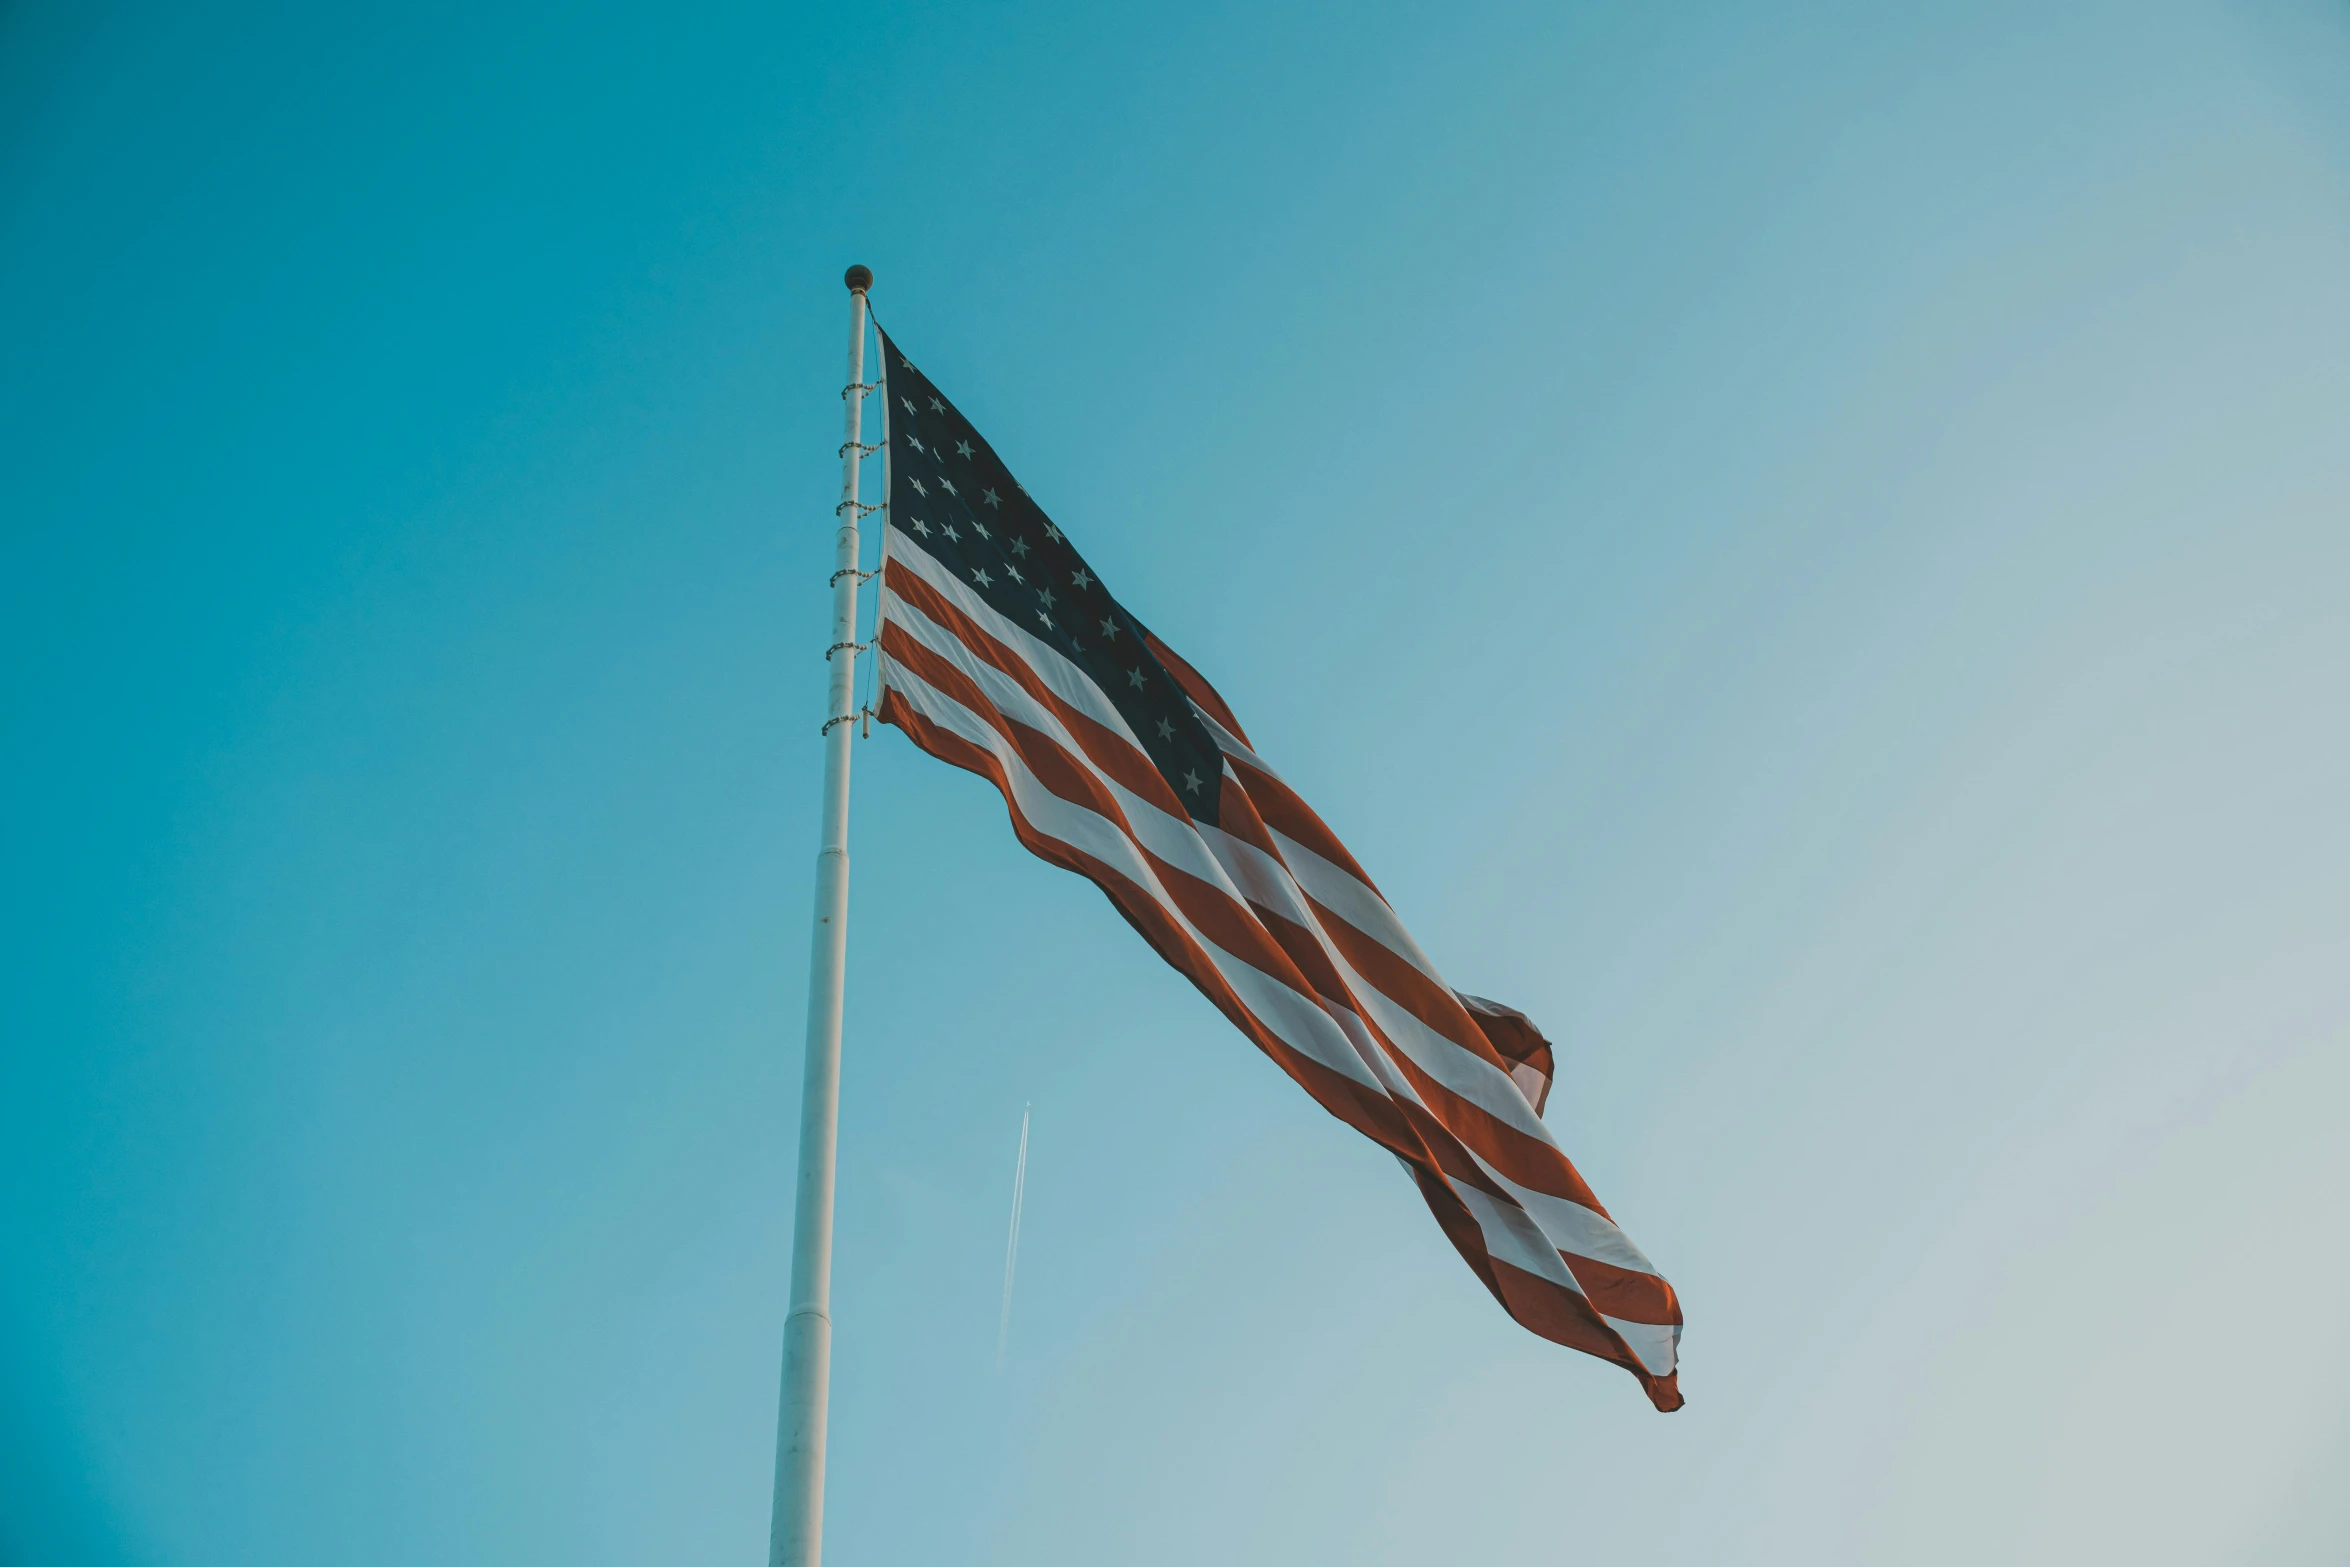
point(1806, 546)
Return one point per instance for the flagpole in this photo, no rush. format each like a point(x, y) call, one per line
point(796, 1537)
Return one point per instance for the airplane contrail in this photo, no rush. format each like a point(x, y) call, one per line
point(1003, 1332)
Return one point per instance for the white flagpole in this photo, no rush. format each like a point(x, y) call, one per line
point(797, 1535)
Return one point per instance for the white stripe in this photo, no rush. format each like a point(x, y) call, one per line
point(1347, 897)
point(1228, 742)
point(1471, 1076)
point(1263, 879)
point(1003, 692)
point(1572, 1227)
point(1459, 1068)
point(1507, 1239)
point(1337, 889)
point(1172, 838)
point(1511, 1236)
point(1064, 679)
point(1575, 1228)
point(1294, 1019)
point(1656, 1345)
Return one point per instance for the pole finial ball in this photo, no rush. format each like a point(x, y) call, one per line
point(858, 279)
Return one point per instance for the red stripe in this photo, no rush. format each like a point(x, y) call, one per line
point(1305, 949)
point(1395, 977)
point(1112, 752)
point(1291, 817)
point(1564, 1317)
point(1538, 1166)
point(1237, 814)
point(1524, 1158)
point(1541, 1305)
point(1401, 982)
point(1625, 1293)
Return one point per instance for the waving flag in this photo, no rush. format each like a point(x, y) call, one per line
point(1002, 653)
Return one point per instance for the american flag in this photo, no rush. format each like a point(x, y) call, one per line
point(1002, 653)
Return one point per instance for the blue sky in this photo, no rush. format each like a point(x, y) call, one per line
point(1804, 546)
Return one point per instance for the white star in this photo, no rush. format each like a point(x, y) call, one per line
point(964, 447)
point(909, 402)
point(980, 528)
point(919, 526)
point(1047, 595)
point(915, 441)
point(990, 498)
point(1020, 548)
point(1083, 579)
point(1050, 531)
point(935, 403)
point(949, 486)
point(982, 578)
point(1191, 780)
point(1045, 616)
point(1110, 629)
point(1014, 573)
point(917, 483)
point(1166, 729)
point(1135, 675)
point(951, 533)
